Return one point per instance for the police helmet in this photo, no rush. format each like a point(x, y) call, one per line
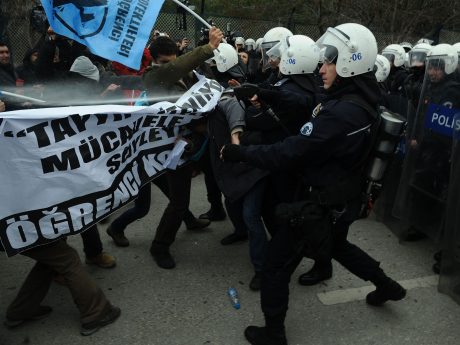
point(273, 44)
point(239, 40)
point(259, 43)
point(382, 68)
point(406, 45)
point(300, 57)
point(395, 54)
point(250, 44)
point(352, 47)
point(443, 56)
point(225, 57)
point(417, 55)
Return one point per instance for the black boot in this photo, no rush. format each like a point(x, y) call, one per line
point(317, 274)
point(272, 334)
point(265, 336)
point(387, 290)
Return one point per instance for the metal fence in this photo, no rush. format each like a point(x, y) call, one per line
point(19, 35)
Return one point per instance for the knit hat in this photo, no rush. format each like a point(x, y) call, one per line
point(83, 66)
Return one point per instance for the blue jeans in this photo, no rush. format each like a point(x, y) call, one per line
point(249, 209)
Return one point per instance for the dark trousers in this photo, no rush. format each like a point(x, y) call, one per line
point(179, 183)
point(142, 204)
point(92, 245)
point(58, 258)
point(282, 260)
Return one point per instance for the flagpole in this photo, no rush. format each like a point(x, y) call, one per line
point(192, 13)
point(6, 93)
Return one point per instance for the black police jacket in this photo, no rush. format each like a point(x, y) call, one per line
point(290, 101)
point(327, 150)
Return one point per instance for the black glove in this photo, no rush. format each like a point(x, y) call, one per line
point(232, 153)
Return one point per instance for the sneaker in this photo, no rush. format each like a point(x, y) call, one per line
point(92, 327)
point(102, 260)
point(264, 336)
point(254, 285)
point(42, 312)
point(233, 238)
point(391, 291)
point(214, 214)
point(163, 259)
point(197, 224)
point(118, 237)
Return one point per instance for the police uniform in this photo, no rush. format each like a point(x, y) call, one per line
point(326, 152)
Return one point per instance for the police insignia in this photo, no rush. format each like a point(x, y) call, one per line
point(316, 110)
point(307, 129)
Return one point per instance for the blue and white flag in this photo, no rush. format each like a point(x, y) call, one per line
point(117, 30)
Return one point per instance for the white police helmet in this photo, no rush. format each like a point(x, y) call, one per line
point(259, 43)
point(406, 45)
point(239, 40)
point(395, 54)
point(225, 57)
point(443, 56)
point(250, 44)
point(417, 55)
point(383, 68)
point(425, 40)
point(273, 44)
point(351, 46)
point(300, 57)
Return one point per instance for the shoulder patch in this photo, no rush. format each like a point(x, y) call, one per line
point(316, 110)
point(281, 82)
point(307, 129)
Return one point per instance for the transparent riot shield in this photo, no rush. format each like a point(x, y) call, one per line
point(449, 282)
point(422, 193)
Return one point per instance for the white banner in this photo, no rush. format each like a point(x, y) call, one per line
point(65, 169)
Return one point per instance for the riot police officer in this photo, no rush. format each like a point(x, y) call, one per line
point(327, 155)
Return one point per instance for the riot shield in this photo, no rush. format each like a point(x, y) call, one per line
point(422, 193)
point(449, 282)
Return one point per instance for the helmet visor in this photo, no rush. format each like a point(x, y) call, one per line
point(270, 52)
point(390, 57)
point(417, 59)
point(328, 54)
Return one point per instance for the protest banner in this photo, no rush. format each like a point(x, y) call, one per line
point(65, 169)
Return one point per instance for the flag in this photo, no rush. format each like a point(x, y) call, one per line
point(117, 30)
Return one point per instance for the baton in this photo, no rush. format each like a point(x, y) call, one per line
point(6, 93)
point(178, 3)
point(192, 13)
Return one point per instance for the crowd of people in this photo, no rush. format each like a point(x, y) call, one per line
point(286, 147)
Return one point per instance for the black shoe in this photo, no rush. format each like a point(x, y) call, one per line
point(437, 267)
point(92, 327)
point(437, 256)
point(118, 237)
point(214, 214)
point(264, 336)
point(197, 224)
point(233, 238)
point(42, 312)
point(315, 275)
point(163, 259)
point(254, 285)
point(391, 291)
